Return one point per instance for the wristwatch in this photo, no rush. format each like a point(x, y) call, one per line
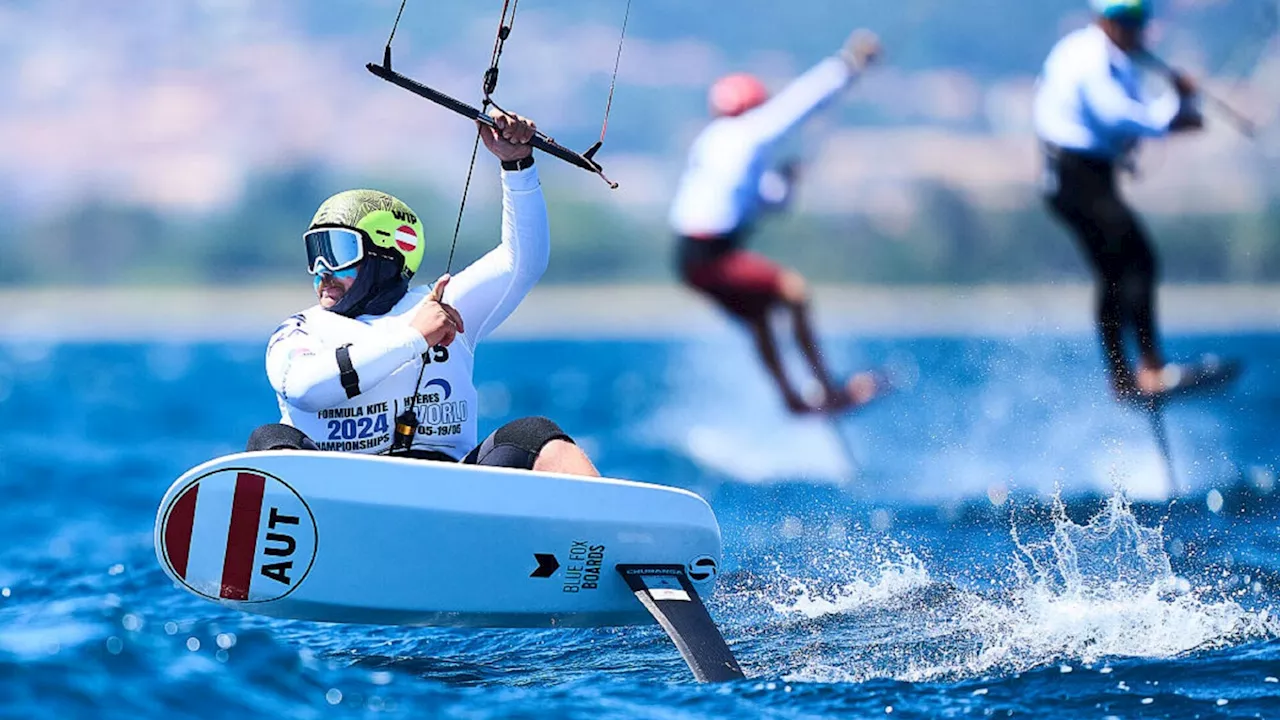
point(521, 164)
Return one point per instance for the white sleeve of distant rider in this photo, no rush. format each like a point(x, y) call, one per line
point(798, 100)
point(1108, 102)
point(489, 290)
point(305, 373)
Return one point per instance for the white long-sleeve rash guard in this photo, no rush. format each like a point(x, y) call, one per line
point(727, 179)
point(1089, 98)
point(387, 353)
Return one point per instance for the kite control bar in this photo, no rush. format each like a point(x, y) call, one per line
point(540, 141)
point(1244, 125)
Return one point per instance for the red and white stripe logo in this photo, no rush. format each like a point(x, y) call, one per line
point(239, 534)
point(406, 238)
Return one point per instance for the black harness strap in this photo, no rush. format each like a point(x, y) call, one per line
point(350, 379)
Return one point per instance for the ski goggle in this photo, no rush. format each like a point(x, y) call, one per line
point(333, 248)
point(348, 274)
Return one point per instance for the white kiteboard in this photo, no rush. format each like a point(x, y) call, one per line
point(340, 537)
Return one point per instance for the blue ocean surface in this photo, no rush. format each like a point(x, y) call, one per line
point(998, 539)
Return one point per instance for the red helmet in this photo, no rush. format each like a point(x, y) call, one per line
point(735, 94)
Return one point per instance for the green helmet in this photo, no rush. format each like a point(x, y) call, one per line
point(385, 221)
point(1132, 12)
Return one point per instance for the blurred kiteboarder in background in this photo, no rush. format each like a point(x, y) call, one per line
point(728, 181)
point(1090, 115)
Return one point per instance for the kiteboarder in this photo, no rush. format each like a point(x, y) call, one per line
point(728, 182)
point(375, 367)
point(1090, 115)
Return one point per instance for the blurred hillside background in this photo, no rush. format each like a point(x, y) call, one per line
point(156, 142)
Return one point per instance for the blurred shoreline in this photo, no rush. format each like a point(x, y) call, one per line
point(632, 311)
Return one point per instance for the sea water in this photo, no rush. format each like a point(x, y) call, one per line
point(998, 538)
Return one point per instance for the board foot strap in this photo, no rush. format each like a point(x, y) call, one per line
point(668, 595)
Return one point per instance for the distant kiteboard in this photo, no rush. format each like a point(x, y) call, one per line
point(367, 539)
point(1207, 374)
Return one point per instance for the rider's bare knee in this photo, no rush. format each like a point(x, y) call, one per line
point(563, 456)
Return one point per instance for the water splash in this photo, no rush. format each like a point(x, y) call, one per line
point(1112, 554)
point(894, 576)
point(1085, 593)
point(1104, 589)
